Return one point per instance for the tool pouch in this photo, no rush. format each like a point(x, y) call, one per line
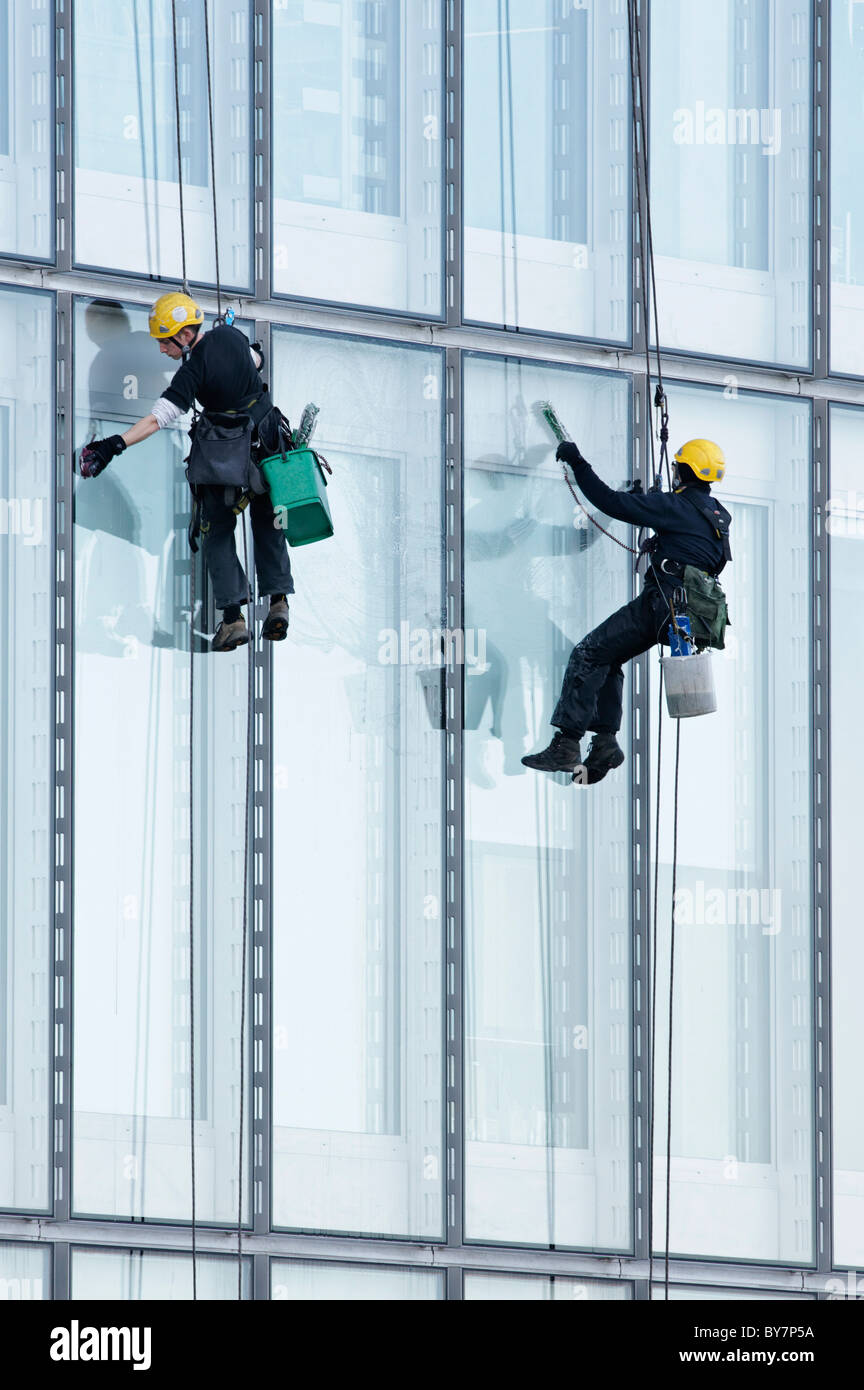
point(706, 608)
point(221, 451)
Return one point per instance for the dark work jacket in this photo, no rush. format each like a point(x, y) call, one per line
point(682, 532)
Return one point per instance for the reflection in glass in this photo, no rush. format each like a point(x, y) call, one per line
point(155, 1275)
point(547, 864)
point(357, 164)
point(846, 530)
point(127, 199)
point(358, 796)
point(730, 177)
point(308, 1280)
point(846, 94)
point(540, 1287)
point(25, 1272)
point(26, 129)
point(131, 967)
point(742, 1177)
point(546, 162)
point(26, 746)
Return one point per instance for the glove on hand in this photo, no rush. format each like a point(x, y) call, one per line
point(568, 452)
point(98, 454)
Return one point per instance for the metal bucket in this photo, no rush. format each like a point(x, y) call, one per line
point(689, 682)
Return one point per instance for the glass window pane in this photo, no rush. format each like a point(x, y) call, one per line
point(127, 197)
point(358, 890)
point(131, 966)
point(308, 1280)
point(691, 1293)
point(847, 188)
point(547, 945)
point(742, 1127)
point(539, 1286)
point(25, 1271)
point(357, 164)
point(730, 177)
point(26, 745)
point(26, 129)
point(846, 528)
point(155, 1274)
point(546, 167)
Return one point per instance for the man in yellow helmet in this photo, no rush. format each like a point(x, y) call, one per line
point(690, 529)
point(237, 426)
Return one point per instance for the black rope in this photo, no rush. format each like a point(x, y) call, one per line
point(653, 1015)
point(212, 160)
point(179, 150)
point(671, 1002)
point(192, 907)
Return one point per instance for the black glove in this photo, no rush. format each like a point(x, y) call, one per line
point(98, 454)
point(568, 452)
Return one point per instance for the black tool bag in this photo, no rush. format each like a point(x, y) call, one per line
point(221, 450)
point(706, 608)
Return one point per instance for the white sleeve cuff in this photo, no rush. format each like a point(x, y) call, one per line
point(166, 412)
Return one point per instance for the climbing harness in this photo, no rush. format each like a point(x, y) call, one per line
point(194, 527)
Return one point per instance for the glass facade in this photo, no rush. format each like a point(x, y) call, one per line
point(431, 1075)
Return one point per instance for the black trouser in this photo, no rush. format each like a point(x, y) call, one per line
point(220, 553)
point(592, 691)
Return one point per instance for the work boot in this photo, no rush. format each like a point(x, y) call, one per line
point(230, 635)
point(275, 627)
point(604, 754)
point(562, 755)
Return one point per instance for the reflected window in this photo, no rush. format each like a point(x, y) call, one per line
point(357, 165)
point(845, 526)
point(546, 166)
point(308, 1281)
point(358, 754)
point(131, 1152)
point(538, 1287)
point(25, 1272)
point(730, 177)
point(547, 864)
point(847, 190)
point(151, 1275)
point(127, 197)
point(742, 1124)
point(26, 128)
point(26, 745)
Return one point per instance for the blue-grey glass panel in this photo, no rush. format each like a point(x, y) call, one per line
point(742, 1076)
point(547, 864)
point(127, 196)
point(358, 805)
point(546, 166)
point(730, 176)
point(132, 785)
point(846, 96)
point(357, 152)
point(26, 128)
point(540, 1287)
point(310, 1280)
point(25, 1272)
point(26, 746)
point(845, 524)
point(690, 1293)
point(155, 1275)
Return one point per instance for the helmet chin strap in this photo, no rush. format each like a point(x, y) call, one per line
point(185, 348)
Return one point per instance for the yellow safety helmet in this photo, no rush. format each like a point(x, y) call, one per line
point(704, 457)
point(174, 311)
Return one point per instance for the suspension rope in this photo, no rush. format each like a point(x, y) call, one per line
point(179, 150)
point(213, 161)
point(250, 695)
point(671, 1003)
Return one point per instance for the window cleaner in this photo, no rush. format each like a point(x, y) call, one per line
point(691, 538)
point(237, 427)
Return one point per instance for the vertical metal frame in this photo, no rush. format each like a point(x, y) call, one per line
point(821, 249)
point(262, 186)
point(64, 223)
point(63, 762)
point(820, 696)
point(261, 1029)
point(638, 204)
point(453, 237)
point(641, 850)
point(454, 1012)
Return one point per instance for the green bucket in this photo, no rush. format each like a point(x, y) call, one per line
point(298, 490)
